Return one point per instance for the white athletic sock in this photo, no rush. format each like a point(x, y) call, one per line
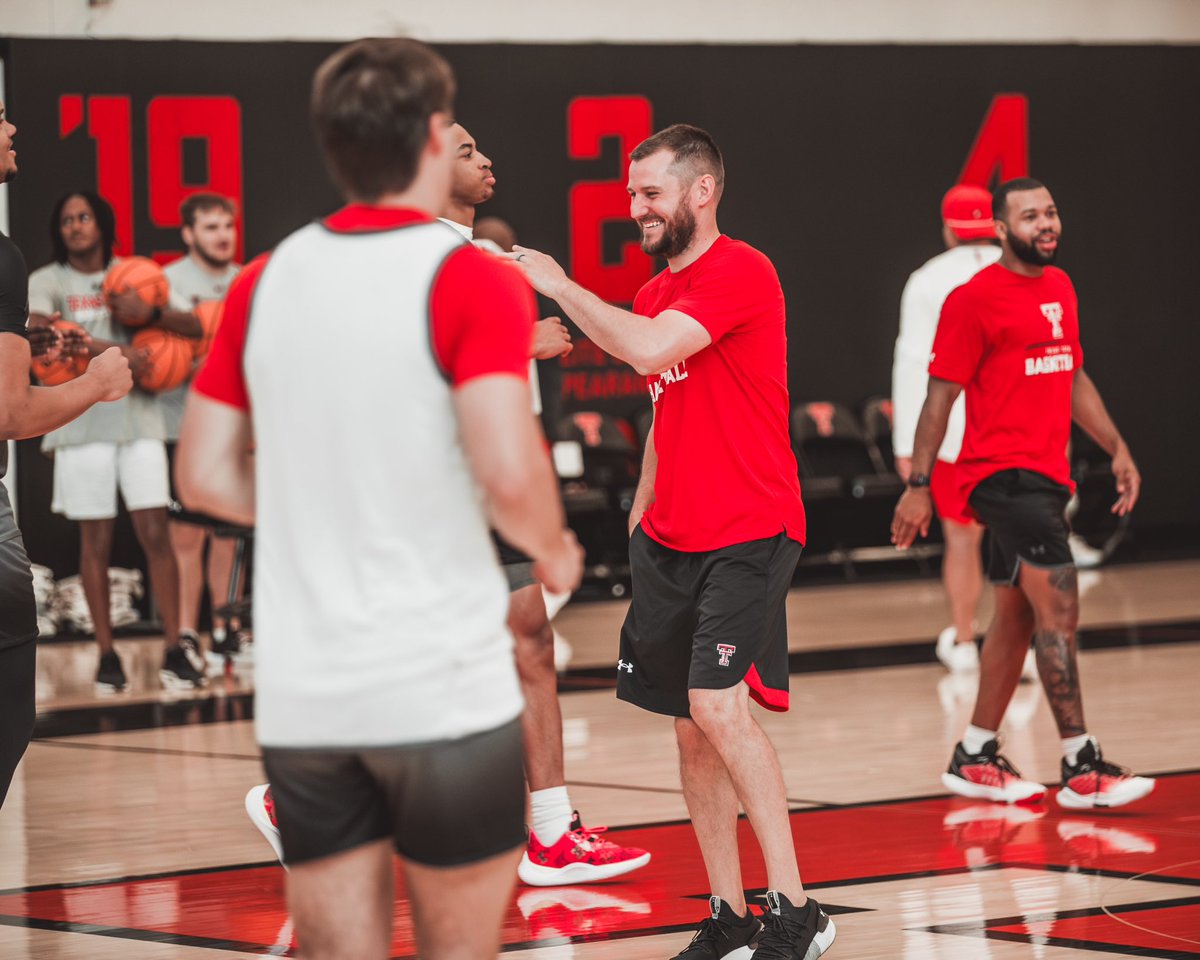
point(975, 737)
point(1072, 745)
point(550, 813)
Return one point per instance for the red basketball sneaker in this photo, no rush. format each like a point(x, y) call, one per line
point(581, 855)
point(260, 807)
point(1094, 782)
point(988, 775)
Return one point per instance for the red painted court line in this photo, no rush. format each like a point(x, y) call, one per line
point(842, 845)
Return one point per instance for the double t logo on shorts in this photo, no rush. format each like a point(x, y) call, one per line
point(726, 651)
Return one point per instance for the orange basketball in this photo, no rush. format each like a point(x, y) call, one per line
point(168, 359)
point(141, 275)
point(56, 366)
point(209, 313)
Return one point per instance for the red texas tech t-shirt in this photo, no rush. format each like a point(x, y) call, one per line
point(726, 472)
point(1013, 343)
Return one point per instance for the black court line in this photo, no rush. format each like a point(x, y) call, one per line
point(160, 751)
point(132, 933)
point(918, 652)
point(981, 929)
point(113, 716)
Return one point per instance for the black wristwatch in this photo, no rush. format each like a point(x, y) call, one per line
point(918, 480)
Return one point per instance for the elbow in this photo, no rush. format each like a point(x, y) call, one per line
point(651, 364)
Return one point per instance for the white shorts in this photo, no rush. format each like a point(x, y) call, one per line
point(86, 478)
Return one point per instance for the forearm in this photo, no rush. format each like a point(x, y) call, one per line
point(1088, 410)
point(931, 424)
point(525, 505)
point(38, 410)
point(182, 322)
point(214, 462)
point(644, 495)
point(618, 332)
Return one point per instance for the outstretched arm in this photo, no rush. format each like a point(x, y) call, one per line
point(914, 512)
point(648, 344)
point(28, 411)
point(1088, 410)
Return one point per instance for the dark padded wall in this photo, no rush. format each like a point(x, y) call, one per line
point(837, 157)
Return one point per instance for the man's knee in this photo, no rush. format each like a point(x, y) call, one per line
point(718, 712)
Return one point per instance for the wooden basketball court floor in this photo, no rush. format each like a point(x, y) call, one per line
point(124, 836)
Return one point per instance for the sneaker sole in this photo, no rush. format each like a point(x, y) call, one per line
point(178, 684)
point(821, 942)
point(979, 791)
point(110, 689)
point(257, 812)
point(1068, 798)
point(538, 876)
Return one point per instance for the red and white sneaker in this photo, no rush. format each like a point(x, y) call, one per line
point(988, 775)
point(581, 855)
point(260, 807)
point(1094, 782)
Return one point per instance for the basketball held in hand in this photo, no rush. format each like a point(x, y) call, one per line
point(66, 359)
point(139, 275)
point(166, 359)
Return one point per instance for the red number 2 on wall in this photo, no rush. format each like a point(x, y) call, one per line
point(592, 204)
point(217, 121)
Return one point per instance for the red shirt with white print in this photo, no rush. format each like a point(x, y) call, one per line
point(726, 471)
point(1012, 342)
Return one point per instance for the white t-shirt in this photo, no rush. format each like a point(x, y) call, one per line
point(58, 287)
point(920, 307)
point(195, 285)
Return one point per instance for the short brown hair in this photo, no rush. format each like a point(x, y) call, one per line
point(371, 104)
point(198, 203)
point(695, 151)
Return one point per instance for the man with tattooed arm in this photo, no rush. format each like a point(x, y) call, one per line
point(1009, 339)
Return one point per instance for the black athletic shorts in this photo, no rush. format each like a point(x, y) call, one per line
point(706, 621)
point(444, 803)
point(518, 566)
point(1026, 517)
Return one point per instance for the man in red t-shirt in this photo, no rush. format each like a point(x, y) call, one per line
point(716, 526)
point(1009, 338)
point(379, 610)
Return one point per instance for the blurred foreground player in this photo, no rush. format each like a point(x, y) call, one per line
point(560, 850)
point(1009, 339)
point(716, 528)
point(971, 245)
point(387, 700)
point(28, 411)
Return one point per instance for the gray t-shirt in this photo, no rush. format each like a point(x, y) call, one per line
point(195, 285)
point(14, 311)
point(60, 288)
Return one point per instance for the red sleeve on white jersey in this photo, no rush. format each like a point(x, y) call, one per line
point(481, 317)
point(222, 376)
point(959, 343)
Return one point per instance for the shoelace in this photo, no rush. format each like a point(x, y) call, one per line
point(1101, 767)
point(712, 930)
point(791, 931)
point(1005, 766)
point(589, 837)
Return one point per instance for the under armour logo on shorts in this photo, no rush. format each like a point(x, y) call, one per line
point(623, 665)
point(726, 651)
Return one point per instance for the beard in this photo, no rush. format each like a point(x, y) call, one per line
point(217, 263)
point(1030, 254)
point(677, 234)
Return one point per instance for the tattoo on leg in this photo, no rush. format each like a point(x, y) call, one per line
point(1059, 671)
point(1065, 580)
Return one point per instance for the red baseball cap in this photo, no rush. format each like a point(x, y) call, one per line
point(967, 211)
